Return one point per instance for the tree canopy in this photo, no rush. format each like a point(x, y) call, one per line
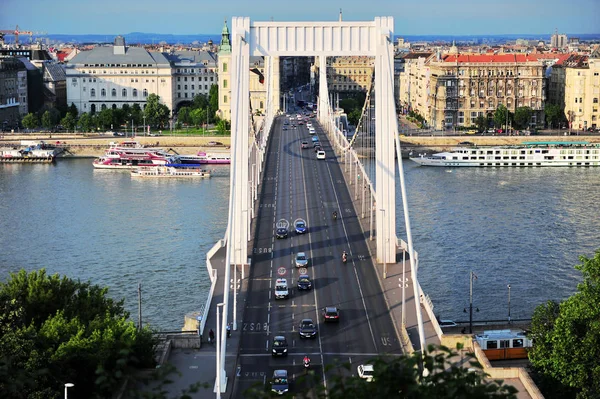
point(554, 114)
point(522, 117)
point(567, 338)
point(55, 330)
point(157, 114)
point(501, 116)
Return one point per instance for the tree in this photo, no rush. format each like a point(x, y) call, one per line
point(105, 119)
point(57, 329)
point(30, 121)
point(85, 122)
point(47, 121)
point(157, 114)
point(197, 116)
point(213, 102)
point(354, 116)
point(501, 116)
point(223, 127)
point(482, 123)
point(567, 336)
point(522, 117)
point(200, 101)
point(136, 114)
point(73, 111)
point(400, 377)
point(68, 121)
point(183, 115)
point(554, 114)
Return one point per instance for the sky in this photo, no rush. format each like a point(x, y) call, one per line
point(417, 17)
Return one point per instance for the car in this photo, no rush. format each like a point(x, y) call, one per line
point(284, 128)
point(491, 130)
point(447, 323)
point(304, 145)
point(300, 227)
point(365, 371)
point(465, 143)
point(301, 259)
point(281, 289)
point(318, 148)
point(214, 143)
point(304, 282)
point(331, 313)
point(471, 131)
point(316, 144)
point(280, 383)
point(320, 154)
point(300, 123)
point(281, 232)
point(314, 139)
point(118, 134)
point(279, 346)
point(307, 329)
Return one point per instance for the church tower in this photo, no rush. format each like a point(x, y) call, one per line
point(224, 56)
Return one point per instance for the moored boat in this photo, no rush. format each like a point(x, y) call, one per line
point(202, 158)
point(534, 153)
point(129, 155)
point(169, 171)
point(39, 153)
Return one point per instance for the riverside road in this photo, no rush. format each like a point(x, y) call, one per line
point(299, 186)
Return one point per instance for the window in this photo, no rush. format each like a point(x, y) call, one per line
point(225, 83)
point(103, 107)
point(113, 92)
point(492, 344)
point(92, 92)
point(595, 100)
point(517, 343)
point(124, 92)
point(145, 93)
point(225, 99)
point(261, 105)
point(135, 92)
point(103, 93)
point(224, 67)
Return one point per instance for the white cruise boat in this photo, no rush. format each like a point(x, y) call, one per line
point(169, 171)
point(534, 153)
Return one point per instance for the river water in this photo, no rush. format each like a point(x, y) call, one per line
point(523, 226)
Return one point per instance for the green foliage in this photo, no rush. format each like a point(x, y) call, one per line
point(354, 116)
point(54, 330)
point(522, 117)
point(481, 122)
point(73, 111)
point(567, 337)
point(213, 103)
point(85, 122)
point(68, 121)
point(400, 377)
point(223, 126)
point(554, 114)
point(157, 114)
point(200, 102)
point(47, 121)
point(105, 119)
point(30, 121)
point(183, 115)
point(197, 116)
point(501, 116)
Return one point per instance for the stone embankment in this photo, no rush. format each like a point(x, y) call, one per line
point(94, 146)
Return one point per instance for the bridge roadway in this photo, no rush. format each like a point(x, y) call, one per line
point(297, 185)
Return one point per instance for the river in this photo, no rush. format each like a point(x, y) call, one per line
point(523, 226)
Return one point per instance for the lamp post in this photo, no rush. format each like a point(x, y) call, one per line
point(508, 303)
point(218, 336)
point(473, 276)
point(67, 386)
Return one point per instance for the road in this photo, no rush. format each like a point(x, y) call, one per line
point(298, 186)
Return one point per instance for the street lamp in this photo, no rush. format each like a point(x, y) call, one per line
point(472, 277)
point(67, 386)
point(508, 303)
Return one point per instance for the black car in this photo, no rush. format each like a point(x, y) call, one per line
point(307, 329)
point(331, 313)
point(282, 232)
point(304, 282)
point(318, 148)
point(280, 346)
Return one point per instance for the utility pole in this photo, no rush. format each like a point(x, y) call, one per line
point(140, 306)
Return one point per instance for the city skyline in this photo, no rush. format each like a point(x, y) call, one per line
point(434, 17)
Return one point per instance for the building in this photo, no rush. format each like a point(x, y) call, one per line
point(13, 92)
point(558, 41)
point(463, 87)
point(582, 93)
point(349, 74)
point(556, 81)
point(413, 81)
point(111, 76)
point(194, 72)
point(55, 85)
point(257, 84)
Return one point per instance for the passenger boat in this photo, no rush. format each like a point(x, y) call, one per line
point(129, 155)
point(504, 344)
point(40, 153)
point(534, 153)
point(169, 171)
point(201, 158)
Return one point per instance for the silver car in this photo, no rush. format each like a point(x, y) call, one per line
point(301, 259)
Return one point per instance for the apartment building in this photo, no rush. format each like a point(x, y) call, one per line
point(13, 92)
point(349, 74)
point(582, 92)
point(194, 72)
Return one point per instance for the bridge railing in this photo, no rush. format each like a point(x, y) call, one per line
point(212, 274)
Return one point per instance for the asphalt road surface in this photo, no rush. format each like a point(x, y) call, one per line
point(298, 186)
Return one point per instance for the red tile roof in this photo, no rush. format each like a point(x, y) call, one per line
point(485, 58)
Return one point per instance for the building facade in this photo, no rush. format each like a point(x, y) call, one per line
point(582, 93)
point(349, 74)
point(461, 87)
point(109, 77)
point(194, 72)
point(13, 92)
point(413, 81)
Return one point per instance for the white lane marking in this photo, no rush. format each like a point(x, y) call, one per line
point(267, 346)
point(362, 297)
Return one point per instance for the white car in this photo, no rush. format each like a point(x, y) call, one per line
point(366, 371)
point(281, 289)
point(320, 154)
